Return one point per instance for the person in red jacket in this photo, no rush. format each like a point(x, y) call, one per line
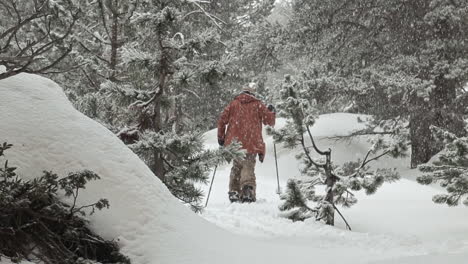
point(242, 121)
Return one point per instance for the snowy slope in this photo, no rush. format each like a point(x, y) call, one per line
point(153, 227)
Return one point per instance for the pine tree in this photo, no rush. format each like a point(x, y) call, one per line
point(186, 161)
point(338, 182)
point(148, 69)
point(36, 225)
point(402, 61)
point(450, 169)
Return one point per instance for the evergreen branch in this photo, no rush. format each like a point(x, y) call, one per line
point(144, 104)
point(213, 18)
point(103, 18)
point(191, 13)
point(364, 163)
point(168, 163)
point(85, 206)
point(75, 197)
point(90, 80)
point(65, 70)
point(342, 217)
point(54, 63)
point(323, 153)
point(306, 151)
point(96, 55)
point(21, 22)
point(363, 132)
point(34, 54)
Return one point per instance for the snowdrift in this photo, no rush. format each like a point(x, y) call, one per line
point(153, 227)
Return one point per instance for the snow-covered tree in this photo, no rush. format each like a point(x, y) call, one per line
point(339, 182)
point(38, 226)
point(186, 162)
point(36, 36)
point(403, 61)
point(449, 169)
point(148, 69)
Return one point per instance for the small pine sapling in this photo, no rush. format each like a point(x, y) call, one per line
point(186, 162)
point(338, 182)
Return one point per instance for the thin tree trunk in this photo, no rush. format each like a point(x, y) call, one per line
point(330, 181)
point(114, 45)
point(158, 162)
point(158, 166)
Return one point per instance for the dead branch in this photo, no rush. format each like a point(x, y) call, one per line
point(212, 17)
point(342, 217)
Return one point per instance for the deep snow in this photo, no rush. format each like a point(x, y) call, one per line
point(400, 219)
point(151, 226)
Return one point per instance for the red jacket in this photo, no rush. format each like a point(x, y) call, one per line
point(244, 117)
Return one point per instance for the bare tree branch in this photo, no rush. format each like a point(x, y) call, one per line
point(212, 17)
point(29, 55)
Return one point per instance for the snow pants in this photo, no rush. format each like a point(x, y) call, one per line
point(243, 173)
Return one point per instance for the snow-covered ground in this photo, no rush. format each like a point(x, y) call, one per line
point(399, 224)
point(399, 220)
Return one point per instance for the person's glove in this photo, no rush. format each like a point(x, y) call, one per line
point(271, 108)
point(221, 141)
point(260, 157)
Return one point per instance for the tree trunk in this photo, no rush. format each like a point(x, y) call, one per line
point(330, 181)
point(440, 111)
point(158, 155)
point(158, 162)
point(423, 146)
point(114, 45)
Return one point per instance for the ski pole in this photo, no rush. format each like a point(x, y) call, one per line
point(277, 173)
point(211, 185)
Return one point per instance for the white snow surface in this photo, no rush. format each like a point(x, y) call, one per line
point(399, 220)
point(399, 224)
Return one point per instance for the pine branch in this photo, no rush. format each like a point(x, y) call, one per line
point(364, 132)
point(342, 217)
point(323, 153)
point(306, 151)
point(213, 18)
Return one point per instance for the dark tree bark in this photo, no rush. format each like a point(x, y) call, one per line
point(330, 182)
point(164, 73)
point(440, 111)
point(423, 146)
point(158, 162)
point(114, 45)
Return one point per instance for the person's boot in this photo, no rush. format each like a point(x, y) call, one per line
point(248, 194)
point(233, 196)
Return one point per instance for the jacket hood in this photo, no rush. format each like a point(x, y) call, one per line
point(246, 98)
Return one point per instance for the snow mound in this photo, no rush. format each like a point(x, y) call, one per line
point(149, 224)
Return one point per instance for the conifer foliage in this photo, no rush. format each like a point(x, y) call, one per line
point(148, 70)
point(450, 169)
point(404, 62)
point(338, 182)
point(187, 162)
point(36, 225)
